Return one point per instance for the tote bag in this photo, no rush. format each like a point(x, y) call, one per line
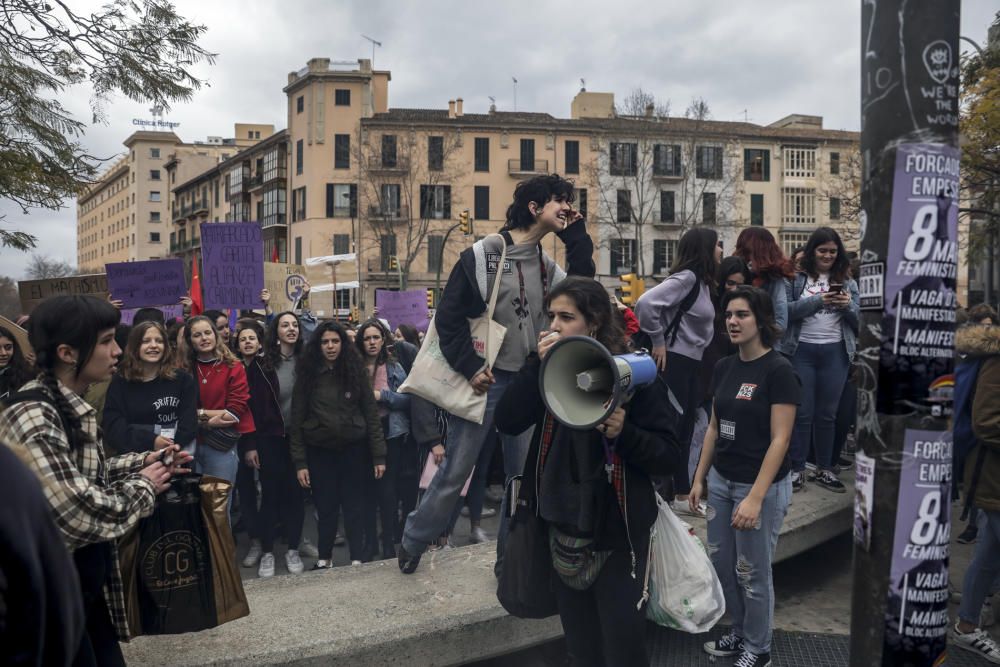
point(433, 379)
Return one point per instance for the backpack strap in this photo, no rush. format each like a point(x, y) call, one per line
point(670, 333)
point(42, 396)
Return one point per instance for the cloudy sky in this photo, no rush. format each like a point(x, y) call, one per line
point(756, 60)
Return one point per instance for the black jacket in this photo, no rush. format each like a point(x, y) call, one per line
point(423, 414)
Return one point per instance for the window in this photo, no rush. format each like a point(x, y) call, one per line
point(527, 154)
point(388, 150)
point(624, 159)
point(342, 97)
point(435, 202)
point(154, 237)
point(435, 153)
point(624, 206)
point(298, 156)
point(756, 164)
point(215, 192)
point(581, 201)
point(572, 157)
point(273, 165)
point(481, 209)
point(709, 162)
point(835, 208)
point(298, 249)
point(482, 154)
point(800, 162)
point(387, 249)
point(300, 104)
point(708, 208)
point(664, 252)
point(799, 206)
point(154, 216)
point(666, 160)
point(154, 195)
point(153, 153)
point(341, 244)
point(273, 209)
point(390, 199)
point(667, 206)
point(435, 253)
point(299, 204)
point(792, 240)
point(154, 174)
point(622, 256)
point(756, 209)
point(834, 164)
point(341, 151)
point(341, 200)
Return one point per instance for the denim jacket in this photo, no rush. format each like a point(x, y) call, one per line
point(799, 309)
point(398, 404)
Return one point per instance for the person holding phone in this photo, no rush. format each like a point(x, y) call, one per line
point(823, 314)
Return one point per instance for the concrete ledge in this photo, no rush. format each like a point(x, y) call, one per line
point(445, 614)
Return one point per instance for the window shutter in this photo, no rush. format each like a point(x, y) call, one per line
point(767, 165)
point(425, 206)
point(746, 164)
point(447, 201)
point(329, 200)
point(354, 201)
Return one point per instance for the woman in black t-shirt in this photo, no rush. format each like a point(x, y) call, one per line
point(745, 470)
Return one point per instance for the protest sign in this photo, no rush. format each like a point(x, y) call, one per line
point(20, 336)
point(155, 282)
point(33, 292)
point(169, 313)
point(407, 307)
point(284, 282)
point(232, 265)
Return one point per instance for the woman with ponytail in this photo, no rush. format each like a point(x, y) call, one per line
point(94, 499)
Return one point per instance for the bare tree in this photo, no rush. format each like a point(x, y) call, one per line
point(10, 300)
point(845, 189)
point(42, 267)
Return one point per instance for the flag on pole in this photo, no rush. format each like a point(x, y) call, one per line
point(197, 303)
point(274, 254)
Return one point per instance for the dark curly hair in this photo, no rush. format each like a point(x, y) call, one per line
point(385, 356)
point(348, 368)
point(20, 369)
point(762, 308)
point(541, 190)
point(594, 303)
point(272, 346)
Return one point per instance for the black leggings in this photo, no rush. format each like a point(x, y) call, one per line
point(246, 487)
point(382, 494)
point(682, 376)
point(337, 478)
point(280, 491)
point(602, 624)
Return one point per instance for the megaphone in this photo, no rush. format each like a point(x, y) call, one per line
point(582, 382)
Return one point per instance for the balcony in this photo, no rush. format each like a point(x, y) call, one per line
point(388, 214)
point(199, 207)
point(275, 220)
point(256, 182)
point(668, 176)
point(526, 169)
point(376, 165)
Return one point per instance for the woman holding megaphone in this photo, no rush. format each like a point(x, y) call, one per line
point(592, 487)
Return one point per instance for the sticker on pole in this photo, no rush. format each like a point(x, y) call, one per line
point(871, 285)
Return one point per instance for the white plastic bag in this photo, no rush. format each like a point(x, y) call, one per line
point(684, 591)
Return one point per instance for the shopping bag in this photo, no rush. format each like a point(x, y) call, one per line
point(524, 583)
point(230, 599)
point(684, 591)
point(433, 379)
point(431, 468)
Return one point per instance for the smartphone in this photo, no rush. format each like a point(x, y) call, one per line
point(837, 287)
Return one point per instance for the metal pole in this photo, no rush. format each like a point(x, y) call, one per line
point(909, 147)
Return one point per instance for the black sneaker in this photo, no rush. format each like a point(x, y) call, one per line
point(726, 646)
point(845, 463)
point(826, 479)
point(407, 563)
point(798, 482)
point(748, 659)
point(969, 535)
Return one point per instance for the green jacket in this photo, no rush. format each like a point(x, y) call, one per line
point(983, 341)
point(333, 417)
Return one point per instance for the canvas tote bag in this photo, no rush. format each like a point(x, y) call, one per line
point(433, 379)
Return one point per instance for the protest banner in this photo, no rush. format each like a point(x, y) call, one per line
point(169, 313)
point(407, 307)
point(33, 292)
point(284, 281)
point(155, 282)
point(232, 265)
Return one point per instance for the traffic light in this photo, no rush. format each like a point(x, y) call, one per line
point(465, 222)
point(632, 288)
point(393, 264)
point(430, 298)
point(355, 314)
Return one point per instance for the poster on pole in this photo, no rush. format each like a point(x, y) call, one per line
point(232, 265)
point(33, 292)
point(284, 282)
point(921, 273)
point(154, 282)
point(917, 610)
point(406, 307)
point(864, 497)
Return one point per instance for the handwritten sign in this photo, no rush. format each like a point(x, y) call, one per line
point(232, 265)
point(169, 313)
point(33, 292)
point(154, 282)
point(408, 307)
point(284, 282)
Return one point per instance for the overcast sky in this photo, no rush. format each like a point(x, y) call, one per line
point(760, 60)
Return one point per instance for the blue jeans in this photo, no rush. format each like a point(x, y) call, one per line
point(742, 558)
point(982, 576)
point(212, 462)
point(464, 442)
point(822, 370)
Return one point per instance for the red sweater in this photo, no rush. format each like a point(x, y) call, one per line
point(223, 387)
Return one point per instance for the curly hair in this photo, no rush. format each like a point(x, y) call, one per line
point(757, 247)
point(21, 370)
point(131, 364)
point(348, 368)
point(221, 352)
point(593, 302)
point(541, 190)
point(272, 345)
point(763, 311)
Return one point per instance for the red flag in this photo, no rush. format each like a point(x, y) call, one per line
point(197, 304)
point(274, 254)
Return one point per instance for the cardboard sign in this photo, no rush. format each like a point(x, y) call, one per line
point(33, 292)
point(232, 261)
point(154, 282)
point(284, 281)
point(20, 337)
point(409, 307)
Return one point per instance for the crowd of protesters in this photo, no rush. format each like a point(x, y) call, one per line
point(754, 353)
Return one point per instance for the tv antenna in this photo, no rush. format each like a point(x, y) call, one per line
point(375, 43)
point(583, 84)
point(514, 79)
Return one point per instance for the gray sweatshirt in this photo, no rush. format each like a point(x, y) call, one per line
point(286, 382)
point(658, 306)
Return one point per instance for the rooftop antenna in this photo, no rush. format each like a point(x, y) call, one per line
point(746, 118)
point(493, 103)
point(514, 79)
point(583, 85)
point(375, 43)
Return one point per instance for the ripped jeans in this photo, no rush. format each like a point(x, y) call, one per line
point(742, 558)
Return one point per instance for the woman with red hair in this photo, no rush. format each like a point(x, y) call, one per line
point(769, 268)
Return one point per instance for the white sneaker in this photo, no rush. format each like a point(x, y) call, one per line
point(322, 565)
point(308, 549)
point(253, 555)
point(266, 568)
point(478, 535)
point(355, 562)
point(682, 507)
point(485, 514)
point(293, 562)
point(977, 641)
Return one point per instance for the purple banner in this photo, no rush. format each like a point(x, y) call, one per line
point(155, 282)
point(169, 313)
point(409, 307)
point(232, 265)
point(917, 612)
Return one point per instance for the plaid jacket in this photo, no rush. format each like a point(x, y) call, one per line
point(93, 499)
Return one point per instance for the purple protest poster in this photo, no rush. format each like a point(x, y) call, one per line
point(232, 265)
point(170, 313)
point(156, 282)
point(408, 307)
point(917, 610)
